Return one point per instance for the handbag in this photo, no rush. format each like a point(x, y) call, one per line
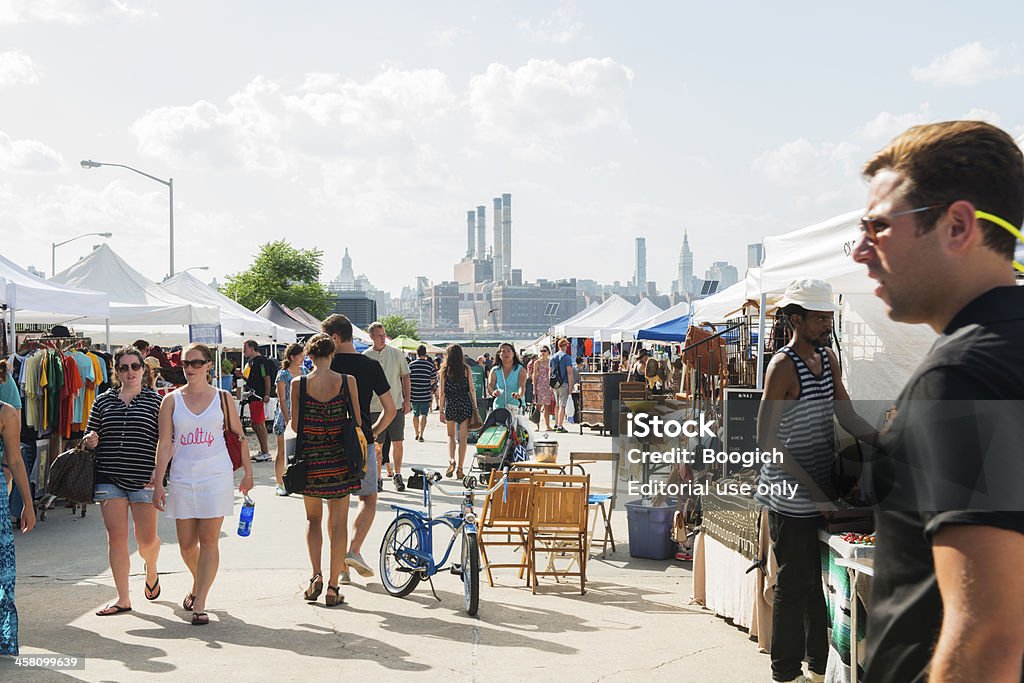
point(535, 414)
point(231, 440)
point(475, 422)
point(297, 469)
point(73, 475)
point(353, 438)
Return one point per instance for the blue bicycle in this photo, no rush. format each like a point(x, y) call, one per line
point(407, 551)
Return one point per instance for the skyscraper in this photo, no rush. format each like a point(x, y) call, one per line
point(755, 255)
point(685, 266)
point(640, 265)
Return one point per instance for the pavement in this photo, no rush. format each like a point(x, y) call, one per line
point(633, 624)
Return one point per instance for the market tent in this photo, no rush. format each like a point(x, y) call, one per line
point(238, 322)
point(642, 311)
point(671, 313)
point(38, 300)
point(579, 316)
point(719, 307)
point(312, 321)
point(278, 314)
point(139, 308)
point(668, 331)
point(533, 348)
point(608, 311)
point(410, 344)
point(822, 251)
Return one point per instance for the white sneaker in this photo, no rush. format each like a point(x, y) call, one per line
point(262, 457)
point(346, 579)
point(355, 560)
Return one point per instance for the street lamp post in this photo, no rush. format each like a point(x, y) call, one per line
point(169, 183)
point(54, 245)
point(188, 269)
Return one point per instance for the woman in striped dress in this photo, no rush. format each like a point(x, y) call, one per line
point(319, 410)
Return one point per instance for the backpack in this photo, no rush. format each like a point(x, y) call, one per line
point(556, 380)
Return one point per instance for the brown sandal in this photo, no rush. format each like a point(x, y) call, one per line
point(189, 600)
point(333, 600)
point(450, 471)
point(316, 586)
point(459, 474)
point(200, 618)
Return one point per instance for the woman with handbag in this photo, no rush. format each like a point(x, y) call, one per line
point(123, 430)
point(200, 491)
point(457, 400)
point(10, 434)
point(291, 368)
point(323, 415)
point(543, 395)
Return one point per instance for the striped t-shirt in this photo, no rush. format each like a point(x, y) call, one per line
point(128, 434)
point(422, 378)
point(807, 432)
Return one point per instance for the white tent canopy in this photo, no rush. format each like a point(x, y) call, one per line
point(608, 311)
point(579, 316)
point(722, 306)
point(37, 300)
point(238, 322)
point(642, 311)
point(139, 308)
point(671, 313)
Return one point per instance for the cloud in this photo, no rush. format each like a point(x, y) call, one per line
point(545, 100)
point(264, 127)
point(17, 68)
point(966, 65)
point(68, 11)
point(559, 27)
point(976, 114)
point(800, 161)
point(28, 156)
point(445, 38)
point(886, 125)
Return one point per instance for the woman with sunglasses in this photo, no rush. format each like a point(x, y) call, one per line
point(123, 431)
point(200, 490)
point(543, 396)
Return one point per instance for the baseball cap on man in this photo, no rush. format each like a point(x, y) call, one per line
point(813, 295)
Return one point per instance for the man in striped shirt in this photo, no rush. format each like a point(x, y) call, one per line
point(803, 390)
point(423, 381)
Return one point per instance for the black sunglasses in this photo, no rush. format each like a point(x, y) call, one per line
point(872, 226)
point(125, 368)
point(194, 364)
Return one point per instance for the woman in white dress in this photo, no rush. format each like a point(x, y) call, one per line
point(200, 490)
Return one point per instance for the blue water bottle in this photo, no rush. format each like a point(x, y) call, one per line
point(245, 518)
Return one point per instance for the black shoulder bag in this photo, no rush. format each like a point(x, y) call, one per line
point(295, 473)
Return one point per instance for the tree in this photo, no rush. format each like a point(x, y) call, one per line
point(281, 272)
point(397, 326)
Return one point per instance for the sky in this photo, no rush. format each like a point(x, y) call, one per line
point(376, 126)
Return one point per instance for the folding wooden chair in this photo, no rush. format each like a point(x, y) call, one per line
point(504, 516)
point(603, 503)
point(558, 525)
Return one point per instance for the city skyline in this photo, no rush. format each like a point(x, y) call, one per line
point(335, 126)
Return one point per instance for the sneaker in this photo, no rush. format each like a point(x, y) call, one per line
point(262, 457)
point(346, 579)
point(280, 491)
point(355, 560)
point(399, 484)
point(380, 485)
point(562, 430)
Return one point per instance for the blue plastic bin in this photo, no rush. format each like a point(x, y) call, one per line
point(650, 530)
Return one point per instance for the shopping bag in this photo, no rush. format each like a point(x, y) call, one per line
point(570, 407)
point(231, 440)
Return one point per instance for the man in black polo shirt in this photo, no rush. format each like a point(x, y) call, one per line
point(259, 376)
point(948, 592)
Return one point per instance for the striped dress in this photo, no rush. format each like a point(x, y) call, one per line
point(328, 474)
point(807, 432)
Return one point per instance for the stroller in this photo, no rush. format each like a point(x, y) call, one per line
point(502, 441)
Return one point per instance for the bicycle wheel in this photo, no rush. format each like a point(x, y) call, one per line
point(471, 572)
point(399, 573)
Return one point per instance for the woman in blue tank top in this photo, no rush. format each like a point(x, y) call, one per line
point(507, 383)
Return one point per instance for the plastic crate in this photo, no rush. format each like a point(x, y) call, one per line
point(650, 530)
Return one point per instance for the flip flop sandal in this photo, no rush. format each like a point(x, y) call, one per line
point(189, 600)
point(200, 618)
point(316, 586)
point(333, 600)
point(153, 592)
point(117, 609)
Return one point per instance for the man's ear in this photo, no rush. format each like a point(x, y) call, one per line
point(962, 228)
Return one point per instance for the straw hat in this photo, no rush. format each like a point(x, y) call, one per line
point(813, 295)
point(152, 362)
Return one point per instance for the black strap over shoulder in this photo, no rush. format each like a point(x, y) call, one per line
point(300, 428)
point(349, 409)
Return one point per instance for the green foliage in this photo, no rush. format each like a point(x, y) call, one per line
point(281, 272)
point(397, 326)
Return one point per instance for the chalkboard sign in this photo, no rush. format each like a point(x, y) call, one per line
point(741, 419)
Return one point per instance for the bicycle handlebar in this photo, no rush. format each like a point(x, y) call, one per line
point(494, 488)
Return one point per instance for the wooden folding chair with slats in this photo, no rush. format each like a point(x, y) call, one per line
point(558, 525)
point(603, 504)
point(505, 519)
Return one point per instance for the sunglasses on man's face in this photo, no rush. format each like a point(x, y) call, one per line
point(194, 364)
point(135, 367)
point(872, 226)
